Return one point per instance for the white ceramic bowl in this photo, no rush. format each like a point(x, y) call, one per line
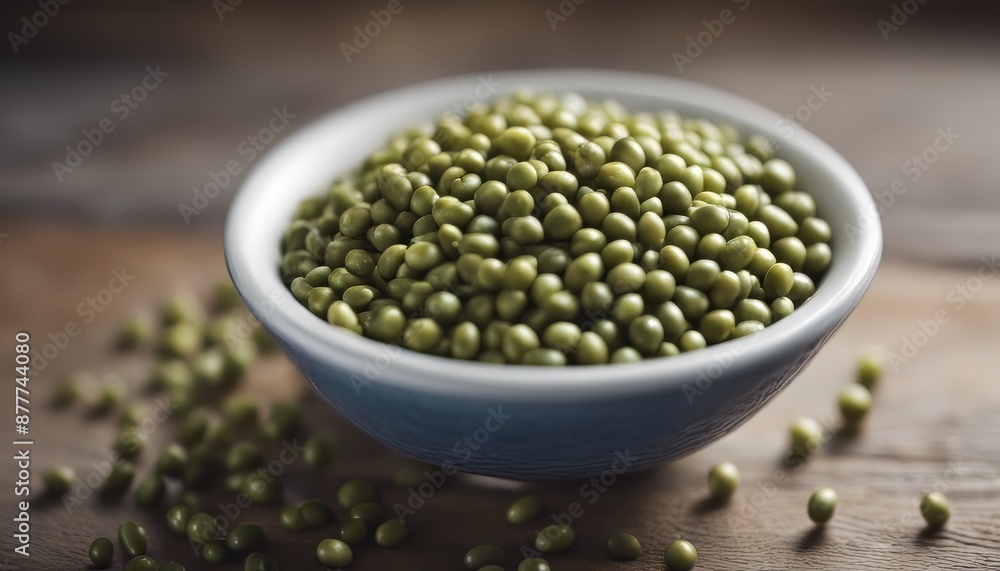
point(534, 422)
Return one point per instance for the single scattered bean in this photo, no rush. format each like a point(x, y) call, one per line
point(141, 563)
point(723, 479)
point(555, 538)
point(101, 552)
point(680, 555)
point(391, 533)
point(245, 537)
point(935, 509)
point(483, 555)
point(623, 547)
point(822, 504)
point(131, 539)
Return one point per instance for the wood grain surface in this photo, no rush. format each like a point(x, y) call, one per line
point(934, 426)
point(936, 421)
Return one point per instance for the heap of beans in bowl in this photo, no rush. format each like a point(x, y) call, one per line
point(545, 229)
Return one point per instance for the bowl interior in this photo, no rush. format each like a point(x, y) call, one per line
point(306, 163)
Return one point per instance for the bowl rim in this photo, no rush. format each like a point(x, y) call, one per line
point(836, 296)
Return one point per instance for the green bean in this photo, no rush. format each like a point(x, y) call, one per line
point(935, 509)
point(716, 326)
point(592, 350)
point(315, 513)
point(68, 391)
point(533, 564)
point(111, 394)
point(711, 247)
point(141, 563)
point(214, 552)
point(136, 330)
point(244, 538)
point(854, 402)
point(623, 547)
point(723, 480)
point(524, 509)
point(178, 517)
point(777, 176)
point(391, 533)
point(817, 259)
point(183, 308)
point(691, 340)
point(150, 491)
point(483, 555)
point(257, 562)
point(869, 370)
point(243, 456)
point(354, 492)
point(354, 531)
point(822, 504)
point(120, 477)
point(290, 518)
point(806, 436)
point(262, 488)
point(58, 480)
point(555, 538)
point(201, 528)
point(132, 540)
point(369, 512)
point(172, 460)
point(680, 555)
point(334, 553)
point(614, 175)
point(318, 452)
point(101, 552)
point(529, 212)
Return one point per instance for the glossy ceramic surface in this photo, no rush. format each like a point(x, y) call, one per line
point(534, 422)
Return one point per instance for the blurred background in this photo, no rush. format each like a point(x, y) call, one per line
point(116, 116)
point(893, 74)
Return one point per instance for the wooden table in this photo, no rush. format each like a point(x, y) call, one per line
point(934, 426)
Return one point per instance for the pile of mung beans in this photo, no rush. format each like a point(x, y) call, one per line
point(221, 442)
point(552, 230)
